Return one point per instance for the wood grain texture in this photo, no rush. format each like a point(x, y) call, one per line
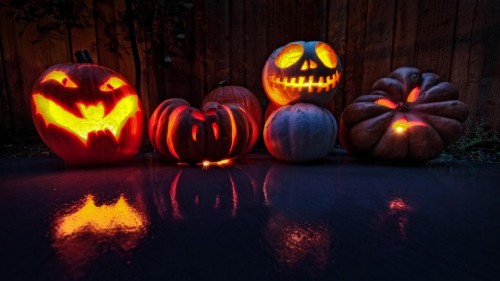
point(231, 40)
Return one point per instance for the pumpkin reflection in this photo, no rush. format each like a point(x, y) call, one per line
point(302, 246)
point(86, 229)
point(395, 218)
point(193, 192)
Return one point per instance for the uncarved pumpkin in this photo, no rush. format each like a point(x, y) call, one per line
point(185, 134)
point(87, 114)
point(302, 72)
point(238, 95)
point(300, 132)
point(408, 116)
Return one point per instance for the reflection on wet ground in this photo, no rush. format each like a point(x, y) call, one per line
point(257, 219)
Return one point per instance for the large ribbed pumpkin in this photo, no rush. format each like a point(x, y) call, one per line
point(238, 95)
point(87, 114)
point(408, 116)
point(186, 134)
point(300, 132)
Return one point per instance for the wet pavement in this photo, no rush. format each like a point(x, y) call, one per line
point(258, 219)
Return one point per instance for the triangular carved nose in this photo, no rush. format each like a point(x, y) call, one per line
point(308, 64)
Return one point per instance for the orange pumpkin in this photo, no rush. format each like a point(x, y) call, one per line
point(87, 114)
point(408, 116)
point(302, 72)
point(185, 134)
point(238, 95)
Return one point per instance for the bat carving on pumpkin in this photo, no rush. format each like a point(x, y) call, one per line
point(93, 118)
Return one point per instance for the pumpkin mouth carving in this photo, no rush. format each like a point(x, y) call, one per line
point(311, 83)
point(93, 118)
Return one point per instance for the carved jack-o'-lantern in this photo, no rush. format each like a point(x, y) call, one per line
point(87, 114)
point(185, 134)
point(302, 72)
point(408, 116)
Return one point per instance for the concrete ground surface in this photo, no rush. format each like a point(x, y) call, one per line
point(257, 219)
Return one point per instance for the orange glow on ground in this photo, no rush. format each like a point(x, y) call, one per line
point(387, 103)
point(401, 125)
point(61, 78)
point(113, 83)
point(207, 164)
point(119, 217)
point(93, 119)
point(412, 97)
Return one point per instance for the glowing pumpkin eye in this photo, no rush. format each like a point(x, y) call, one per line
point(327, 55)
point(289, 55)
point(61, 78)
point(113, 83)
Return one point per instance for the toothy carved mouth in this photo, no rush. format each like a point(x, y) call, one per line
point(323, 83)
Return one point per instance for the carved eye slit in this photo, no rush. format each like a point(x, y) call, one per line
point(327, 55)
point(61, 78)
point(289, 55)
point(111, 84)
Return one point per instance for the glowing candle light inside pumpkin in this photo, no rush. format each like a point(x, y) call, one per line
point(401, 125)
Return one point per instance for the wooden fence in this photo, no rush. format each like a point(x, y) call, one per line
point(231, 40)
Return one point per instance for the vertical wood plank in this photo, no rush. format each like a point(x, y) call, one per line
point(459, 73)
point(436, 22)
point(5, 120)
point(106, 34)
point(199, 78)
point(354, 59)
point(282, 18)
point(336, 36)
point(378, 41)
point(255, 40)
point(85, 38)
point(217, 43)
point(312, 20)
point(405, 34)
point(237, 42)
point(483, 93)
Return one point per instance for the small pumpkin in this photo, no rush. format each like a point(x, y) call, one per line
point(302, 72)
point(183, 133)
point(87, 114)
point(408, 116)
point(238, 95)
point(300, 132)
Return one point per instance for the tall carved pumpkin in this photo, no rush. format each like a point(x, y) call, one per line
point(238, 95)
point(300, 132)
point(302, 72)
point(87, 114)
point(408, 116)
point(185, 134)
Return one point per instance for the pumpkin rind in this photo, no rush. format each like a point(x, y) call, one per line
point(84, 94)
point(408, 116)
point(304, 76)
point(185, 134)
point(300, 132)
point(238, 95)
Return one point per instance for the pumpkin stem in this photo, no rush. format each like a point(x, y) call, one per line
point(83, 56)
point(224, 83)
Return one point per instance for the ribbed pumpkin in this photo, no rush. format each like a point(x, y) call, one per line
point(408, 116)
point(186, 134)
point(87, 114)
point(238, 95)
point(300, 132)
